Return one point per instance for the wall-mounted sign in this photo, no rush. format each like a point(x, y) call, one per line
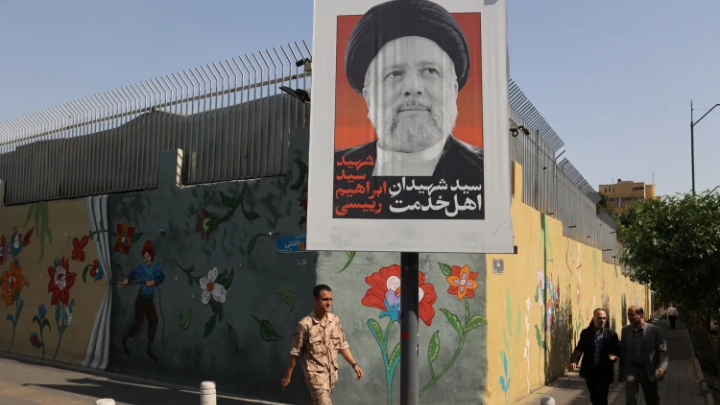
point(409, 137)
point(290, 244)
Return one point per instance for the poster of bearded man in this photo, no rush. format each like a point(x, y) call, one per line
point(409, 137)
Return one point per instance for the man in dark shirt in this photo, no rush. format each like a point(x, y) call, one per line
point(643, 358)
point(599, 348)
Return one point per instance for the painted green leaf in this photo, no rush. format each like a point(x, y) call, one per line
point(36, 320)
point(29, 214)
point(267, 331)
point(185, 319)
point(10, 318)
point(395, 357)
point(209, 326)
point(434, 347)
point(48, 232)
point(539, 338)
point(375, 329)
point(57, 313)
point(351, 256)
point(508, 309)
point(220, 311)
point(301, 178)
point(45, 323)
point(230, 202)
point(229, 279)
point(251, 215)
point(85, 272)
point(234, 340)
point(253, 241)
point(454, 321)
point(288, 296)
point(506, 341)
point(446, 269)
point(136, 237)
point(474, 322)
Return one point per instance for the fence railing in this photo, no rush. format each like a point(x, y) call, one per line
point(232, 121)
point(229, 117)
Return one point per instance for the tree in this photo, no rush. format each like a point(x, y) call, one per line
point(674, 244)
point(604, 205)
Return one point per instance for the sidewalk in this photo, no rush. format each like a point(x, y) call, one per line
point(23, 383)
point(680, 385)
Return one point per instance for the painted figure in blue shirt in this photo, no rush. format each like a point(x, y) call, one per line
point(150, 276)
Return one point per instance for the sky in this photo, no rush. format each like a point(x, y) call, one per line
point(613, 79)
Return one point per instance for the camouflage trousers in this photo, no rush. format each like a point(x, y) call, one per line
point(320, 397)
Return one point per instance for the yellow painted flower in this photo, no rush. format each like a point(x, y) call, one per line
point(12, 284)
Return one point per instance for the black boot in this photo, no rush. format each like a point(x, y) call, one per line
point(150, 352)
point(125, 341)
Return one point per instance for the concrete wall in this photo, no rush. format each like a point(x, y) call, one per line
point(509, 335)
point(44, 316)
point(543, 297)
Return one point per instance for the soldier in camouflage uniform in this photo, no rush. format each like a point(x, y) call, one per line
point(319, 337)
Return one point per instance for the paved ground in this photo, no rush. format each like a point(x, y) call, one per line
point(680, 385)
point(54, 386)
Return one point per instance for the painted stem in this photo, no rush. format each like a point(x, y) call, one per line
point(42, 341)
point(57, 349)
point(447, 366)
point(14, 322)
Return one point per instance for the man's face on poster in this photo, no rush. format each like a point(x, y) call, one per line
point(411, 93)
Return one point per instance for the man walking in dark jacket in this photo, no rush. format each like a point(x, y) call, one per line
point(599, 347)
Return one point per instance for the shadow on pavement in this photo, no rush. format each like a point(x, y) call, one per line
point(125, 393)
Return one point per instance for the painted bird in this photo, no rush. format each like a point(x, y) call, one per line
point(18, 241)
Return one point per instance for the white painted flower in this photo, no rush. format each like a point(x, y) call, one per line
point(59, 277)
point(527, 323)
point(211, 289)
point(393, 284)
point(528, 303)
point(526, 352)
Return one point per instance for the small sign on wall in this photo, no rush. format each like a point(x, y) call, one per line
point(498, 266)
point(290, 244)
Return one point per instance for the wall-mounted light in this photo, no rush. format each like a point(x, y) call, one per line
point(515, 130)
point(299, 94)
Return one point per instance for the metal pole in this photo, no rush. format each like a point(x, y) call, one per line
point(409, 342)
point(692, 146)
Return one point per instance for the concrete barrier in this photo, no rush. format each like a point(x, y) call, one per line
point(208, 393)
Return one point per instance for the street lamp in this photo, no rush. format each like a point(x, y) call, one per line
point(692, 140)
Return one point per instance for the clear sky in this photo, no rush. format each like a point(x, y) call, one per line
point(614, 79)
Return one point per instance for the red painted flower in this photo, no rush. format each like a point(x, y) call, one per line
point(61, 280)
point(384, 294)
point(123, 238)
point(462, 282)
point(94, 269)
point(303, 201)
point(78, 246)
point(206, 224)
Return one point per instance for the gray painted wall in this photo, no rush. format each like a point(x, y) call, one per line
point(243, 359)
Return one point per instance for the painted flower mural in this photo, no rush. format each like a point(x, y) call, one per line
point(214, 289)
point(78, 245)
point(18, 241)
point(206, 224)
point(384, 294)
point(211, 288)
point(38, 342)
point(125, 237)
point(462, 282)
point(11, 283)
point(61, 281)
point(94, 270)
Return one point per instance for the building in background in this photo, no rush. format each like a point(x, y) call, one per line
point(626, 192)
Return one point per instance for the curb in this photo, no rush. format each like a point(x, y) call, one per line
point(127, 378)
point(699, 374)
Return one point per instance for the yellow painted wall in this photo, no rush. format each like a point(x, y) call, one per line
point(536, 351)
point(54, 226)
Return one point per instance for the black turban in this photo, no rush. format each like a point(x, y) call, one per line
point(401, 18)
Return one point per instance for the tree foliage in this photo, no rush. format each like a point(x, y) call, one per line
point(674, 244)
